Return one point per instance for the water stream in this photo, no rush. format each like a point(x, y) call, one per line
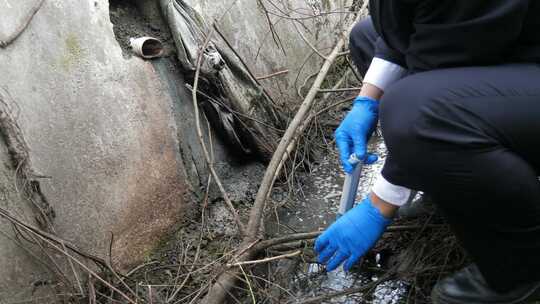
point(316, 209)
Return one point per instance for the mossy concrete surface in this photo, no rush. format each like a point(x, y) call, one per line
point(99, 126)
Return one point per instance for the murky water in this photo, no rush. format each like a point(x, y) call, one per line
point(317, 209)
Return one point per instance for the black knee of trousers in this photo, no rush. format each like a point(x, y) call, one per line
point(446, 134)
point(425, 119)
point(405, 115)
point(399, 115)
point(427, 110)
point(362, 44)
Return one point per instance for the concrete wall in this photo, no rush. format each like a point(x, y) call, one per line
point(100, 126)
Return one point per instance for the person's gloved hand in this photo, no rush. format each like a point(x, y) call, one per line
point(353, 133)
point(351, 236)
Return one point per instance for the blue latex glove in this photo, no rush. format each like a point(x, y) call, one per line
point(351, 236)
point(353, 133)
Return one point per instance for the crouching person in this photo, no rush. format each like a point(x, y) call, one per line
point(456, 87)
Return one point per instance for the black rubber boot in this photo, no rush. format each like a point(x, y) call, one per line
point(469, 287)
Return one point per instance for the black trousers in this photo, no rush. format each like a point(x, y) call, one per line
point(470, 136)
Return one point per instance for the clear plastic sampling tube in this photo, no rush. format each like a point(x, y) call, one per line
point(350, 186)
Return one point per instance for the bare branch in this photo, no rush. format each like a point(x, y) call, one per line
point(266, 260)
point(284, 72)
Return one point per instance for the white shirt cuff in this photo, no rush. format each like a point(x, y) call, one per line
point(382, 73)
point(395, 195)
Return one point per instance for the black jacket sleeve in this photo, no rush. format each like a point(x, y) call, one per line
point(393, 21)
point(431, 34)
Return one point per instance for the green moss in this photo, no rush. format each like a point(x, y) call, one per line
point(72, 45)
point(73, 52)
point(326, 5)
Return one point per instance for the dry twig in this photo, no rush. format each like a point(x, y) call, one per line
point(336, 90)
point(266, 260)
point(59, 245)
point(284, 72)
